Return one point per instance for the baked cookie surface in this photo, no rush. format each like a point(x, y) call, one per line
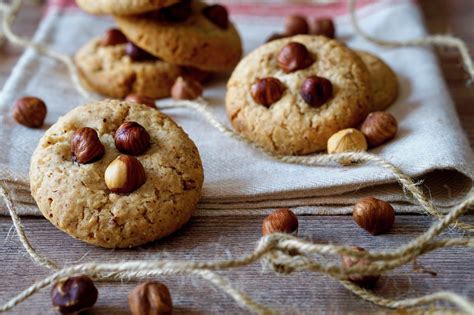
point(75, 198)
point(122, 7)
point(290, 125)
point(108, 70)
point(383, 80)
point(196, 41)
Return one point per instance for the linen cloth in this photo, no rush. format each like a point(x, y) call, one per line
point(430, 144)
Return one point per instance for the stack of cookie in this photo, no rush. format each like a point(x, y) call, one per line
point(155, 43)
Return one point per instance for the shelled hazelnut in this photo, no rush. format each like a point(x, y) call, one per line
point(368, 281)
point(374, 215)
point(124, 175)
point(322, 26)
point(150, 298)
point(379, 127)
point(140, 99)
point(294, 56)
point(296, 24)
point(280, 221)
point(86, 146)
point(132, 138)
point(316, 91)
point(186, 89)
point(30, 111)
point(217, 14)
point(73, 295)
point(347, 140)
point(113, 37)
point(267, 91)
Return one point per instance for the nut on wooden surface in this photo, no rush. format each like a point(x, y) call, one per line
point(267, 91)
point(141, 99)
point(347, 140)
point(124, 175)
point(132, 138)
point(74, 294)
point(367, 282)
point(186, 89)
point(30, 111)
point(294, 56)
point(373, 215)
point(280, 221)
point(86, 146)
point(150, 298)
point(379, 127)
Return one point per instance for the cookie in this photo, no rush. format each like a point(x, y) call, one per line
point(108, 70)
point(122, 7)
point(75, 197)
point(187, 36)
point(291, 122)
point(383, 80)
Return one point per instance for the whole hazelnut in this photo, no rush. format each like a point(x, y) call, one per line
point(137, 54)
point(141, 99)
point(267, 91)
point(368, 281)
point(379, 127)
point(124, 175)
point(373, 215)
point(296, 24)
point(30, 111)
point(86, 146)
point(322, 26)
point(73, 295)
point(132, 138)
point(294, 56)
point(275, 36)
point(280, 221)
point(186, 89)
point(316, 91)
point(217, 14)
point(347, 140)
point(150, 298)
point(113, 37)
point(176, 13)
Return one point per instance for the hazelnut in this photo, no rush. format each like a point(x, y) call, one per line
point(280, 221)
point(373, 215)
point(186, 89)
point(217, 14)
point(86, 146)
point(131, 138)
point(368, 281)
point(124, 175)
point(176, 13)
point(137, 54)
point(30, 111)
point(322, 26)
point(74, 294)
point(150, 298)
point(113, 37)
point(316, 91)
point(347, 140)
point(267, 91)
point(379, 127)
point(141, 99)
point(296, 24)
point(294, 56)
point(275, 36)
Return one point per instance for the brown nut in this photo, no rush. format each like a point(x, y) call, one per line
point(373, 215)
point(113, 37)
point(280, 221)
point(141, 99)
point(367, 282)
point(267, 91)
point(137, 54)
point(186, 89)
point(296, 24)
point(379, 127)
point(275, 36)
point(294, 56)
point(86, 146)
point(131, 138)
point(73, 295)
point(124, 175)
point(150, 298)
point(316, 91)
point(30, 111)
point(322, 26)
point(176, 13)
point(347, 140)
point(217, 14)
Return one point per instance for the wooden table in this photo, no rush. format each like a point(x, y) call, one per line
point(214, 238)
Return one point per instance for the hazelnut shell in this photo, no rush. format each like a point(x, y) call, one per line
point(374, 215)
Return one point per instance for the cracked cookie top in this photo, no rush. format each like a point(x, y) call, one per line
point(322, 87)
point(122, 7)
point(75, 197)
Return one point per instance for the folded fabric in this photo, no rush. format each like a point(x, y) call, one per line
point(430, 145)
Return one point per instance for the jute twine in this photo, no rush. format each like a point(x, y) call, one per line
point(280, 253)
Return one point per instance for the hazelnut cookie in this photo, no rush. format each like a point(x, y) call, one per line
point(86, 185)
point(122, 7)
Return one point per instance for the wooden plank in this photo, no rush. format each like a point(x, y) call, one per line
point(217, 238)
